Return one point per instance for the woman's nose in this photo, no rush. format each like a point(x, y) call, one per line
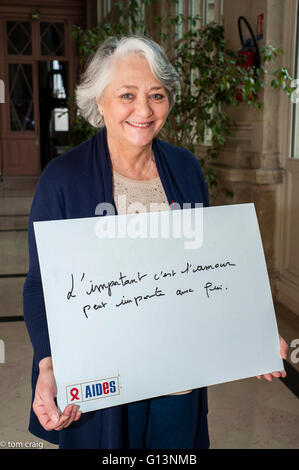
point(143, 108)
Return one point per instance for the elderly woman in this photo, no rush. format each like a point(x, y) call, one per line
point(128, 90)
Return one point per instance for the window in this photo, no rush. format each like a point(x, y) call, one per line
point(52, 39)
point(18, 38)
point(61, 117)
point(106, 7)
point(21, 97)
point(141, 18)
point(209, 10)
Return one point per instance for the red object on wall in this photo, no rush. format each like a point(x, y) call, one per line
point(259, 26)
point(250, 62)
point(249, 54)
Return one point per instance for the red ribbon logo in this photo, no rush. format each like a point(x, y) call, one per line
point(74, 392)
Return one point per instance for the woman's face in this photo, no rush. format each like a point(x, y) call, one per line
point(134, 104)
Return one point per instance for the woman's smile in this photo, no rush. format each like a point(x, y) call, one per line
point(139, 125)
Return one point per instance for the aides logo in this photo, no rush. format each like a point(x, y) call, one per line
point(86, 391)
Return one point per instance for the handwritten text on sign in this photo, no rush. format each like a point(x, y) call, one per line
point(109, 287)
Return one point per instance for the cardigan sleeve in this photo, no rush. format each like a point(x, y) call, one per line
point(205, 188)
point(47, 204)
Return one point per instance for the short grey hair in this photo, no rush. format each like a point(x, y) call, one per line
point(98, 72)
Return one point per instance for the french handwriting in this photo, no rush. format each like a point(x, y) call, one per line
point(122, 281)
point(210, 288)
point(139, 298)
point(182, 292)
point(108, 286)
point(200, 267)
point(124, 302)
point(86, 308)
point(70, 293)
point(164, 274)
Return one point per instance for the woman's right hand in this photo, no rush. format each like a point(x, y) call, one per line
point(44, 405)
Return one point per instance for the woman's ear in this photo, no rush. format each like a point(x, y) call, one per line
point(100, 106)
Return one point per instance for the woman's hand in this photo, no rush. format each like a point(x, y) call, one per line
point(44, 405)
point(283, 353)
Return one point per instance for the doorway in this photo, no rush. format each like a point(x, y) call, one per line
point(38, 65)
point(54, 118)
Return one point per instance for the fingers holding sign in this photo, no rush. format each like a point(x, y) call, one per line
point(281, 374)
point(44, 404)
point(70, 414)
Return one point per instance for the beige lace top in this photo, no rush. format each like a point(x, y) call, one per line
point(138, 195)
point(133, 196)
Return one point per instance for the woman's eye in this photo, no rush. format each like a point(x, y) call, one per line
point(157, 96)
point(126, 96)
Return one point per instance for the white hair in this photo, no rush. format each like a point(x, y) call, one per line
point(98, 72)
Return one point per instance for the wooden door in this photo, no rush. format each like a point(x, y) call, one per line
point(25, 44)
point(20, 132)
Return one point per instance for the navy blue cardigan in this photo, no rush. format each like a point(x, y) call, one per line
point(70, 187)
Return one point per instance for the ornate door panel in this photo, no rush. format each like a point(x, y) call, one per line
point(35, 50)
point(20, 133)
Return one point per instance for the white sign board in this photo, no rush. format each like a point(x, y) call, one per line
point(139, 315)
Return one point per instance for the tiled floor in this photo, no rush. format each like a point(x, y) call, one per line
point(242, 414)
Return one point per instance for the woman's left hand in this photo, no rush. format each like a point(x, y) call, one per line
point(282, 373)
